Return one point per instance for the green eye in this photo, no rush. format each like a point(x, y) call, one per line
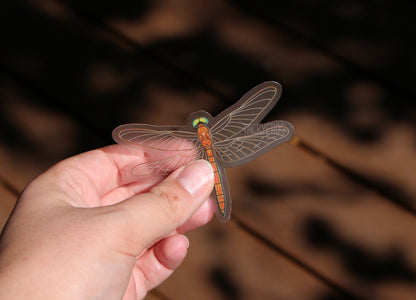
point(202, 120)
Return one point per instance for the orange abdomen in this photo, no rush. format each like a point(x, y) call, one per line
point(205, 138)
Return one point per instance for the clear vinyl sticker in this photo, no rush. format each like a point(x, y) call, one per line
point(233, 137)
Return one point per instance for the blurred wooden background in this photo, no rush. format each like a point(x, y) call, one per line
point(332, 215)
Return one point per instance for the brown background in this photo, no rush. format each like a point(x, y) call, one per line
point(329, 216)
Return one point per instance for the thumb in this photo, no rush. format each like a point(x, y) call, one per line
point(154, 215)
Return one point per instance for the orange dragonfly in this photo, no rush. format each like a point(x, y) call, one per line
point(232, 138)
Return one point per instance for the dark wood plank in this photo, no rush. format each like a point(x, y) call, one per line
point(344, 232)
point(7, 202)
point(33, 137)
point(373, 38)
point(224, 262)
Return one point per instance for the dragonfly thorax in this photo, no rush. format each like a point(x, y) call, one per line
point(204, 136)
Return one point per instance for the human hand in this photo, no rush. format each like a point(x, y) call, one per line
point(86, 229)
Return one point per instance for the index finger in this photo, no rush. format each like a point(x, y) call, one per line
point(105, 168)
point(112, 166)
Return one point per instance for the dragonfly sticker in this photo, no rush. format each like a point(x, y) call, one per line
point(232, 138)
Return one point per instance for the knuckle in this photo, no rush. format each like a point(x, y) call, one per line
point(169, 203)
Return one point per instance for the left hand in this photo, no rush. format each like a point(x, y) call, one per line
point(87, 229)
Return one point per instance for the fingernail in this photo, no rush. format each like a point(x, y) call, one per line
point(187, 241)
point(195, 177)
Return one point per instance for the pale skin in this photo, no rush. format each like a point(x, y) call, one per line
point(87, 229)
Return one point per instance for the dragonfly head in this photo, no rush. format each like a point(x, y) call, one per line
point(200, 120)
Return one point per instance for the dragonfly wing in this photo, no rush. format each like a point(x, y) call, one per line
point(166, 165)
point(157, 137)
point(171, 147)
point(260, 139)
point(252, 107)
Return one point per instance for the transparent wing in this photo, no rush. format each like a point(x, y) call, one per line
point(258, 140)
point(252, 107)
point(171, 147)
point(166, 165)
point(156, 137)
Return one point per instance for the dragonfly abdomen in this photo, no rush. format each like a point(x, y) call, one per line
point(219, 193)
point(205, 138)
